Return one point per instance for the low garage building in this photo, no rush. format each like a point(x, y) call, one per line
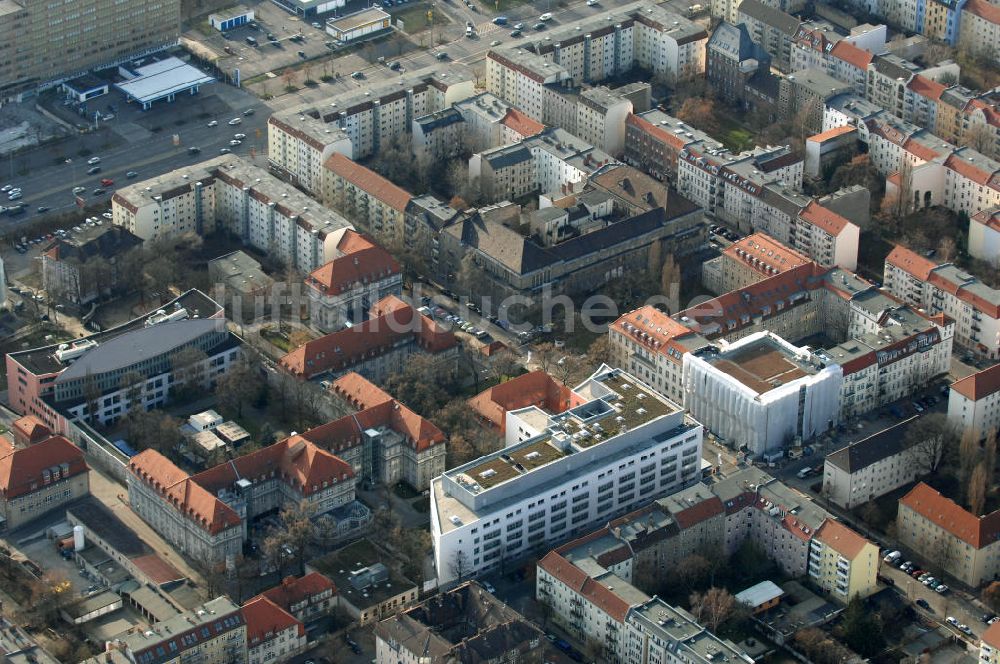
point(230, 18)
point(359, 25)
point(164, 79)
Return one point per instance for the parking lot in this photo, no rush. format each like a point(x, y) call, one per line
point(275, 42)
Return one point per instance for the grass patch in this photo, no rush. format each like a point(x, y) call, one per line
point(415, 17)
point(734, 135)
point(276, 339)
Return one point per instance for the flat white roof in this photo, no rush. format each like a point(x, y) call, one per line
point(160, 79)
point(763, 592)
point(358, 19)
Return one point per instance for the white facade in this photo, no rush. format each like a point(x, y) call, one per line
point(984, 236)
point(763, 421)
point(974, 403)
point(562, 475)
point(870, 468)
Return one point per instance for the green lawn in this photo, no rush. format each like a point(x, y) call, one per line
point(276, 339)
point(734, 135)
point(415, 17)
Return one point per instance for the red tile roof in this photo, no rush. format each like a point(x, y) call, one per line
point(920, 149)
point(763, 254)
point(368, 181)
point(829, 134)
point(926, 87)
point(654, 329)
point(824, 218)
point(984, 10)
point(265, 620)
point(851, 54)
point(536, 388)
point(841, 539)
point(988, 218)
point(376, 408)
point(910, 262)
point(392, 321)
point(26, 470)
point(576, 579)
point(967, 169)
point(29, 429)
point(676, 141)
point(976, 531)
point(522, 124)
point(360, 262)
point(991, 636)
point(980, 384)
point(702, 511)
point(298, 462)
point(294, 591)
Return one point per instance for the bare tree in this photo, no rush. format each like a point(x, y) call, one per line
point(459, 564)
point(976, 490)
point(926, 444)
point(713, 607)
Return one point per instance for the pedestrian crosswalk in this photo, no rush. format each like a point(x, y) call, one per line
point(486, 28)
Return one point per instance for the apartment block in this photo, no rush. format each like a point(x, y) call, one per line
point(232, 194)
point(600, 119)
point(464, 624)
point(38, 474)
point(358, 123)
point(965, 545)
point(214, 633)
point(891, 349)
point(84, 379)
point(980, 28)
point(732, 59)
point(43, 44)
point(272, 633)
point(654, 140)
point(80, 269)
point(842, 562)
point(771, 28)
point(974, 403)
point(872, 467)
point(376, 205)
point(309, 597)
point(762, 391)
point(375, 348)
point(587, 584)
point(598, 48)
point(561, 475)
point(945, 289)
point(383, 440)
point(438, 136)
point(205, 515)
point(608, 570)
point(343, 290)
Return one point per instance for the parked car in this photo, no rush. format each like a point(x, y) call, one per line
point(515, 33)
point(131, 174)
point(94, 160)
point(234, 142)
point(922, 603)
point(98, 192)
point(107, 182)
point(357, 75)
point(235, 121)
point(93, 170)
point(489, 588)
point(951, 620)
point(942, 589)
point(239, 137)
point(79, 190)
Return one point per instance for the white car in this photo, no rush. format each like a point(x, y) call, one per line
point(951, 620)
point(235, 121)
point(224, 151)
point(13, 197)
point(106, 215)
point(213, 123)
point(6, 188)
point(489, 588)
point(239, 137)
point(234, 142)
point(547, 16)
point(965, 629)
point(94, 160)
point(79, 190)
point(591, 3)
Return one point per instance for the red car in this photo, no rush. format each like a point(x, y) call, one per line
point(107, 182)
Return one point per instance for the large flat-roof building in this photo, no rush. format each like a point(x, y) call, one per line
point(85, 378)
point(560, 475)
point(42, 44)
point(762, 392)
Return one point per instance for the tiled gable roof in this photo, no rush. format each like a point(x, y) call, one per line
point(26, 470)
point(369, 181)
point(361, 261)
point(841, 539)
point(265, 620)
point(293, 591)
point(534, 388)
point(851, 54)
point(824, 218)
point(521, 123)
point(596, 593)
point(976, 531)
point(910, 262)
point(984, 10)
point(391, 321)
point(980, 384)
